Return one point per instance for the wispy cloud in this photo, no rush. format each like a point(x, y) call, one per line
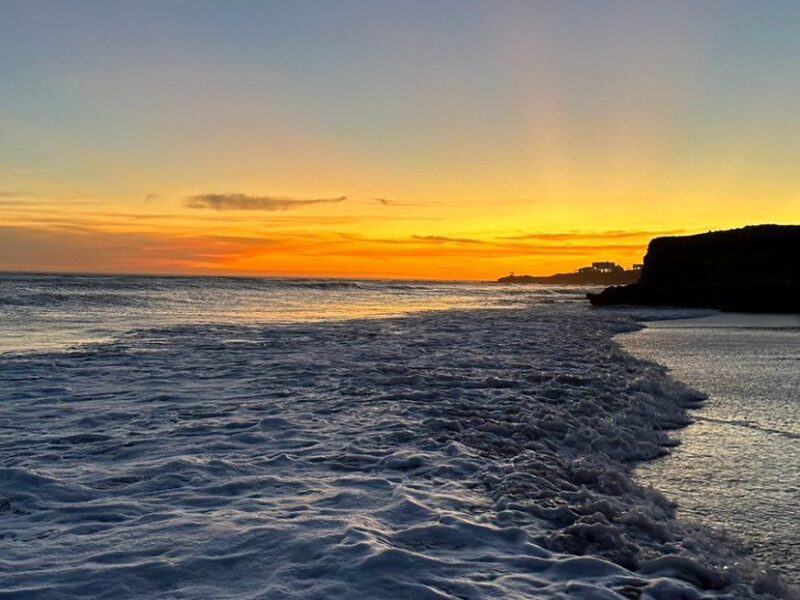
point(246, 202)
point(390, 202)
point(441, 239)
point(15, 198)
point(386, 251)
point(592, 235)
point(438, 246)
point(151, 196)
point(81, 245)
point(16, 194)
point(79, 248)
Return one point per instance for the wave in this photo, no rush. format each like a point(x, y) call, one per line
point(324, 285)
point(48, 299)
point(462, 454)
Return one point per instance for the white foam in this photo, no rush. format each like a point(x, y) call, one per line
point(462, 454)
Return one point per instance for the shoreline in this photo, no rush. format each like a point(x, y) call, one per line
point(709, 421)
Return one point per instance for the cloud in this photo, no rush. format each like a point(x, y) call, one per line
point(151, 196)
point(388, 202)
point(15, 198)
point(488, 251)
point(80, 248)
point(60, 245)
point(456, 248)
point(595, 235)
point(16, 194)
point(441, 239)
point(245, 202)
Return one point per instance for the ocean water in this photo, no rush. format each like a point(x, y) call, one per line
point(253, 438)
point(39, 312)
point(738, 466)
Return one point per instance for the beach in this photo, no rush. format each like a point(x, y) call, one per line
point(735, 469)
point(484, 448)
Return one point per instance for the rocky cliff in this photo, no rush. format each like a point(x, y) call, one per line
point(753, 269)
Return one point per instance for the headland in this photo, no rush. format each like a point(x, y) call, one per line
point(752, 269)
point(599, 273)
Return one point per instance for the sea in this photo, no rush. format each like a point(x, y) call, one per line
point(260, 438)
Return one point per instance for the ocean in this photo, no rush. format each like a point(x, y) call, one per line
point(175, 437)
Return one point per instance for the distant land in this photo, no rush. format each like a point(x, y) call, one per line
point(752, 269)
point(599, 273)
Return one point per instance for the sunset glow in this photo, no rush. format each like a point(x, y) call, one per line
point(455, 140)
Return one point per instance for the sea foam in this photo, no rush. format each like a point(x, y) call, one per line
point(454, 454)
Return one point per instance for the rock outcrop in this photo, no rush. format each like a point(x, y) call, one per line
point(753, 269)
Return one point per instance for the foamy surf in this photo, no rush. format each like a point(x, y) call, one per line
point(458, 454)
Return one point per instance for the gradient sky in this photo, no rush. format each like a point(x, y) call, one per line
point(388, 139)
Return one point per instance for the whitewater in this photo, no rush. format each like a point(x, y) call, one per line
point(189, 438)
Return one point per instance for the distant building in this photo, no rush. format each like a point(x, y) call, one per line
point(599, 272)
point(638, 267)
point(606, 267)
point(601, 267)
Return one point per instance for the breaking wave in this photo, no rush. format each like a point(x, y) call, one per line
point(454, 454)
point(324, 285)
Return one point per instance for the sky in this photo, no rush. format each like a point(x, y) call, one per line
point(447, 139)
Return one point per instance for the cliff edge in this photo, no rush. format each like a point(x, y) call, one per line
point(753, 269)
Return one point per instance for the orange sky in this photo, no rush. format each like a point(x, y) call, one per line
point(342, 238)
point(363, 139)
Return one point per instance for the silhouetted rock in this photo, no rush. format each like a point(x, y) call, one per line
point(753, 269)
point(599, 273)
point(620, 277)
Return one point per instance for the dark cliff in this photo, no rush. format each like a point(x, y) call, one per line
point(753, 269)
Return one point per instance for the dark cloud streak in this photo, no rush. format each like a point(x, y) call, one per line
point(597, 235)
point(441, 239)
point(246, 202)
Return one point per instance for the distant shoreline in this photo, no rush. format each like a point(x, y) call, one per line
point(614, 278)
